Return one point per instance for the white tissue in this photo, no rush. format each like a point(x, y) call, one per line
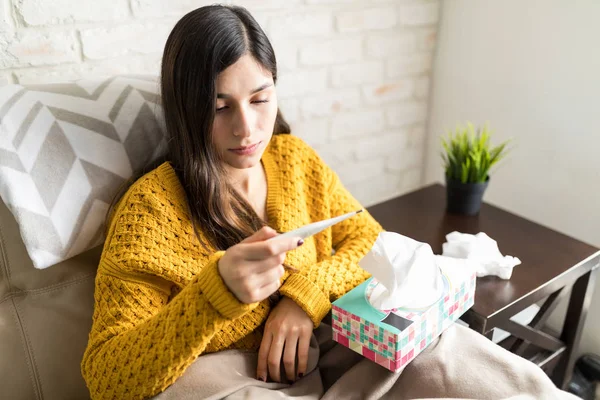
point(483, 250)
point(406, 272)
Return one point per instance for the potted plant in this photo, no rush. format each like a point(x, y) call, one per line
point(468, 158)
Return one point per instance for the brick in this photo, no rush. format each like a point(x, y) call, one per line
point(147, 64)
point(286, 54)
point(161, 8)
point(39, 13)
point(388, 92)
point(130, 64)
point(410, 64)
point(416, 136)
point(357, 74)
point(6, 21)
point(422, 88)
point(290, 109)
point(7, 60)
point(357, 123)
point(301, 25)
point(337, 51)
point(252, 5)
point(33, 48)
point(314, 131)
point(100, 43)
point(404, 114)
point(390, 45)
point(377, 189)
point(5, 78)
point(333, 1)
point(363, 20)
point(59, 73)
point(426, 39)
point(389, 144)
point(338, 153)
point(360, 170)
point(410, 157)
point(420, 14)
point(302, 82)
point(330, 103)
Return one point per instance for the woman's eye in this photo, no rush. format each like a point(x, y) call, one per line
point(219, 109)
point(261, 101)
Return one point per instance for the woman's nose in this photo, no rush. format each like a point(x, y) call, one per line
point(242, 127)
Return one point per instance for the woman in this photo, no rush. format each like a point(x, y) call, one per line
point(169, 290)
point(188, 267)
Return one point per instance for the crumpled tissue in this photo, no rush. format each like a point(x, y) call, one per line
point(406, 271)
point(481, 249)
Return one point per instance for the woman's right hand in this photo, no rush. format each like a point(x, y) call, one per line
point(252, 269)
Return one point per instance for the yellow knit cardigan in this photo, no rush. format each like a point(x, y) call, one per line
point(159, 299)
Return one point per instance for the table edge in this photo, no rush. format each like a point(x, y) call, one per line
point(567, 271)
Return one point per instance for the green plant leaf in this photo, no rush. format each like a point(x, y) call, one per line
point(465, 171)
point(466, 153)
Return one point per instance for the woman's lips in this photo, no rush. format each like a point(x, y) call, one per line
point(247, 150)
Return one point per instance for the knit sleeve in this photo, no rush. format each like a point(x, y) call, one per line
point(143, 336)
point(316, 286)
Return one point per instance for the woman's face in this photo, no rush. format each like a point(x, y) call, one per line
point(246, 112)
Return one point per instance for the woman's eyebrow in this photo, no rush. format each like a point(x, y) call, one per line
point(258, 89)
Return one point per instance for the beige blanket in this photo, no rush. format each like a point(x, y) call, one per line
point(460, 364)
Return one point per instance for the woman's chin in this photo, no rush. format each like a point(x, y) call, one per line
point(243, 162)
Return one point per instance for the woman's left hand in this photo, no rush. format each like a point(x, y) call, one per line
point(287, 331)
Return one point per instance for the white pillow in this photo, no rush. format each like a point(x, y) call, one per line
point(65, 150)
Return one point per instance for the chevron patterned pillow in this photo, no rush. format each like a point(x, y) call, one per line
point(66, 148)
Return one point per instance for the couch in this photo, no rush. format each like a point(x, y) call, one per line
point(46, 301)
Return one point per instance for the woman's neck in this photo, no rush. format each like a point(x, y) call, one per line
point(251, 183)
point(247, 181)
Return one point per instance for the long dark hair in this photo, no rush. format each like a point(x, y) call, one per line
point(201, 45)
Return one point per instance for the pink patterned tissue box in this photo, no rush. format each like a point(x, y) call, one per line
point(393, 338)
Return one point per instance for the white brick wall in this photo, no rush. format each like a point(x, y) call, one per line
point(386, 45)
point(5, 19)
point(330, 102)
point(301, 25)
point(103, 43)
point(34, 48)
point(354, 74)
point(418, 14)
point(407, 65)
point(407, 113)
point(389, 93)
point(159, 8)
point(366, 20)
point(357, 123)
point(336, 51)
point(60, 12)
point(302, 82)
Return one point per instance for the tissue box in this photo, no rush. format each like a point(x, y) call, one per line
point(393, 338)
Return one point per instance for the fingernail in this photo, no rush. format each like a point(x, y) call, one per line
point(300, 242)
point(261, 378)
point(292, 269)
point(300, 375)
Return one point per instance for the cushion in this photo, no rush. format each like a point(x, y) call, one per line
point(65, 151)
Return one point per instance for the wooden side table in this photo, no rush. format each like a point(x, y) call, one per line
point(551, 263)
